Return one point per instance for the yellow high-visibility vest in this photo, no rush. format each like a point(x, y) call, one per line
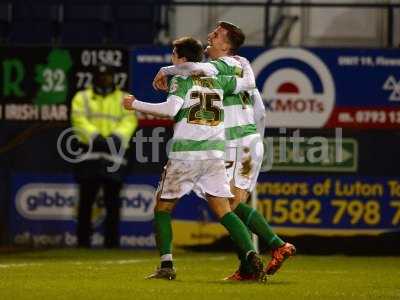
point(93, 114)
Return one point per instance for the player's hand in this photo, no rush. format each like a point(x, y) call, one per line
point(127, 102)
point(243, 61)
point(160, 82)
point(198, 73)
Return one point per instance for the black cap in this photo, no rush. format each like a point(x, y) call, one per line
point(103, 81)
point(104, 69)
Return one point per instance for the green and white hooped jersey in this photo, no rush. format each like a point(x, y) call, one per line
point(199, 128)
point(240, 124)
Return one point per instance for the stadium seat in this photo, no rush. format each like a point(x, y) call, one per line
point(5, 21)
point(29, 32)
point(135, 24)
point(87, 24)
point(130, 33)
point(33, 24)
point(135, 13)
point(76, 22)
point(88, 12)
point(82, 33)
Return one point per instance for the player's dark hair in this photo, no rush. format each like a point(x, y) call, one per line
point(235, 35)
point(189, 48)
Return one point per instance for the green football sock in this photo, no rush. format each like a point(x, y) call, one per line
point(245, 266)
point(163, 229)
point(238, 232)
point(257, 224)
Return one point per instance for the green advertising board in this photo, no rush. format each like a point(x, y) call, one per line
point(315, 154)
point(38, 83)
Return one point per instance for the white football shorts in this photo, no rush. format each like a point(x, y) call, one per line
point(243, 163)
point(203, 177)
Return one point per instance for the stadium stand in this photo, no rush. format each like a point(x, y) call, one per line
point(78, 22)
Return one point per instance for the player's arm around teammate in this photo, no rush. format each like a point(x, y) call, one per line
point(245, 125)
point(196, 157)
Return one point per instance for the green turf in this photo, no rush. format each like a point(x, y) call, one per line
point(119, 274)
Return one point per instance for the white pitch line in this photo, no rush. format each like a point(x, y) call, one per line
point(318, 272)
point(105, 262)
point(6, 266)
point(203, 258)
point(122, 261)
point(217, 258)
point(108, 262)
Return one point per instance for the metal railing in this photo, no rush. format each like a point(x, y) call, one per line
point(269, 33)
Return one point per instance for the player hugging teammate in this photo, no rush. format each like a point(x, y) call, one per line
point(219, 116)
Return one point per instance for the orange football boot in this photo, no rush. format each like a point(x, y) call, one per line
point(238, 276)
point(279, 255)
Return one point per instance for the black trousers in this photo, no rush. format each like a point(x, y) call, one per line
point(88, 189)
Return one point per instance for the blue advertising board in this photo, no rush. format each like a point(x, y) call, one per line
point(44, 209)
point(306, 87)
point(44, 212)
point(145, 63)
point(330, 205)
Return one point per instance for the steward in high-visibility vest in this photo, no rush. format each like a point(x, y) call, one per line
point(104, 129)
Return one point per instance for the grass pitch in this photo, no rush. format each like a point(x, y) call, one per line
point(119, 274)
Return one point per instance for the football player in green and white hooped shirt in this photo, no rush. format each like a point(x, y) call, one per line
point(196, 158)
point(244, 130)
